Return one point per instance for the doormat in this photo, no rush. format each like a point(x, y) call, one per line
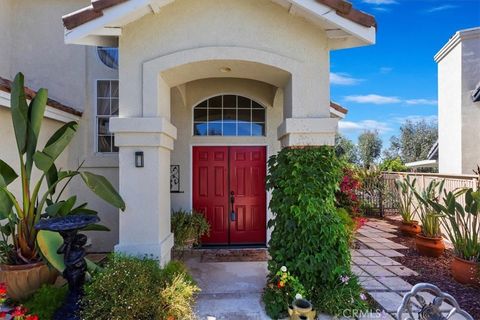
point(234, 255)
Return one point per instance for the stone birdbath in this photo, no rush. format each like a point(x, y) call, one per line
point(74, 254)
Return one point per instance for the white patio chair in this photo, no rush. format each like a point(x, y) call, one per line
point(432, 310)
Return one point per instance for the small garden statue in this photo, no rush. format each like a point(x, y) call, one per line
point(74, 257)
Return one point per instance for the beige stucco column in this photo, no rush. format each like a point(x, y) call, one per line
point(306, 109)
point(145, 224)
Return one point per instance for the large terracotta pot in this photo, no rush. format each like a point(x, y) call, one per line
point(466, 272)
point(431, 247)
point(23, 280)
point(410, 229)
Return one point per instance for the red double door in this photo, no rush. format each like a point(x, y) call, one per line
point(229, 189)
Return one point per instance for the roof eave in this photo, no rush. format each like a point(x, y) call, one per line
point(51, 112)
point(104, 27)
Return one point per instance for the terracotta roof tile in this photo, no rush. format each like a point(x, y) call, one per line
point(95, 10)
point(6, 86)
point(338, 107)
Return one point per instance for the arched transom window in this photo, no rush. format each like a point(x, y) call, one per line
point(229, 115)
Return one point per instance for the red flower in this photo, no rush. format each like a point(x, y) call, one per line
point(19, 311)
point(3, 315)
point(281, 284)
point(32, 317)
point(3, 288)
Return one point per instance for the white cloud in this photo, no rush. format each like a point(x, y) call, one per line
point(441, 8)
point(378, 99)
point(421, 102)
point(382, 9)
point(385, 70)
point(343, 79)
point(360, 126)
point(373, 99)
point(379, 2)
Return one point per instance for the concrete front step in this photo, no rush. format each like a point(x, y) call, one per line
point(230, 306)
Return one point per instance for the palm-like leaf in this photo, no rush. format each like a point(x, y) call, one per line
point(103, 188)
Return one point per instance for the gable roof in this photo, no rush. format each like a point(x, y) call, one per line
point(95, 10)
point(101, 22)
point(6, 86)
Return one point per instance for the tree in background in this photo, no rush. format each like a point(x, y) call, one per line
point(393, 165)
point(415, 140)
point(369, 147)
point(346, 149)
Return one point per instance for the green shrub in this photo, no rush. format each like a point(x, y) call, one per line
point(176, 299)
point(348, 222)
point(133, 288)
point(175, 268)
point(281, 290)
point(393, 165)
point(308, 236)
point(188, 227)
point(46, 301)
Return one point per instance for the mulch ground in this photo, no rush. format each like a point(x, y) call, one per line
point(437, 272)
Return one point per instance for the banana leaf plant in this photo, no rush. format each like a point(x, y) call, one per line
point(462, 222)
point(406, 195)
point(429, 215)
point(40, 197)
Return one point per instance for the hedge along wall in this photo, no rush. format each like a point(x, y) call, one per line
point(308, 236)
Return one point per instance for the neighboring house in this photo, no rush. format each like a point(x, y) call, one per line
point(201, 91)
point(458, 103)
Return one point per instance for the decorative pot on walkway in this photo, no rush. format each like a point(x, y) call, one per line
point(23, 280)
point(466, 272)
point(301, 309)
point(410, 229)
point(431, 247)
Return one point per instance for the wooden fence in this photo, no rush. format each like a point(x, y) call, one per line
point(381, 198)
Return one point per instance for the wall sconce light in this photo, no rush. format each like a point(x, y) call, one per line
point(139, 159)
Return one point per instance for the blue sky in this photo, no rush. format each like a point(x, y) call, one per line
point(396, 79)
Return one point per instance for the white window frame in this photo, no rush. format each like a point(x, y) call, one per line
point(95, 119)
point(236, 135)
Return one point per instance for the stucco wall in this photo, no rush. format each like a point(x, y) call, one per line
point(5, 36)
point(38, 49)
point(450, 113)
point(470, 110)
point(200, 90)
point(458, 115)
point(187, 24)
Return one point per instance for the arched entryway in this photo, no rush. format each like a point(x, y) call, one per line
point(292, 117)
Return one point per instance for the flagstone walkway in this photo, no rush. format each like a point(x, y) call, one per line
point(378, 273)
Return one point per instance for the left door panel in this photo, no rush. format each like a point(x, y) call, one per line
point(210, 190)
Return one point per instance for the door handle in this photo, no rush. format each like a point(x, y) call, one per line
point(232, 201)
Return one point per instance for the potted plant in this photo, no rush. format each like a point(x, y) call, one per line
point(22, 266)
point(462, 224)
point(188, 228)
point(429, 242)
point(409, 226)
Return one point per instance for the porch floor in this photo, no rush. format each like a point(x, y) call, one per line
point(230, 290)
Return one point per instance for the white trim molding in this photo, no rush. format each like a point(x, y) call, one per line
point(50, 112)
point(458, 37)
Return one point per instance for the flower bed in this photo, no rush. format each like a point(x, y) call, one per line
point(438, 272)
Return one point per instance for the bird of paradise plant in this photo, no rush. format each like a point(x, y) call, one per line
point(40, 198)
